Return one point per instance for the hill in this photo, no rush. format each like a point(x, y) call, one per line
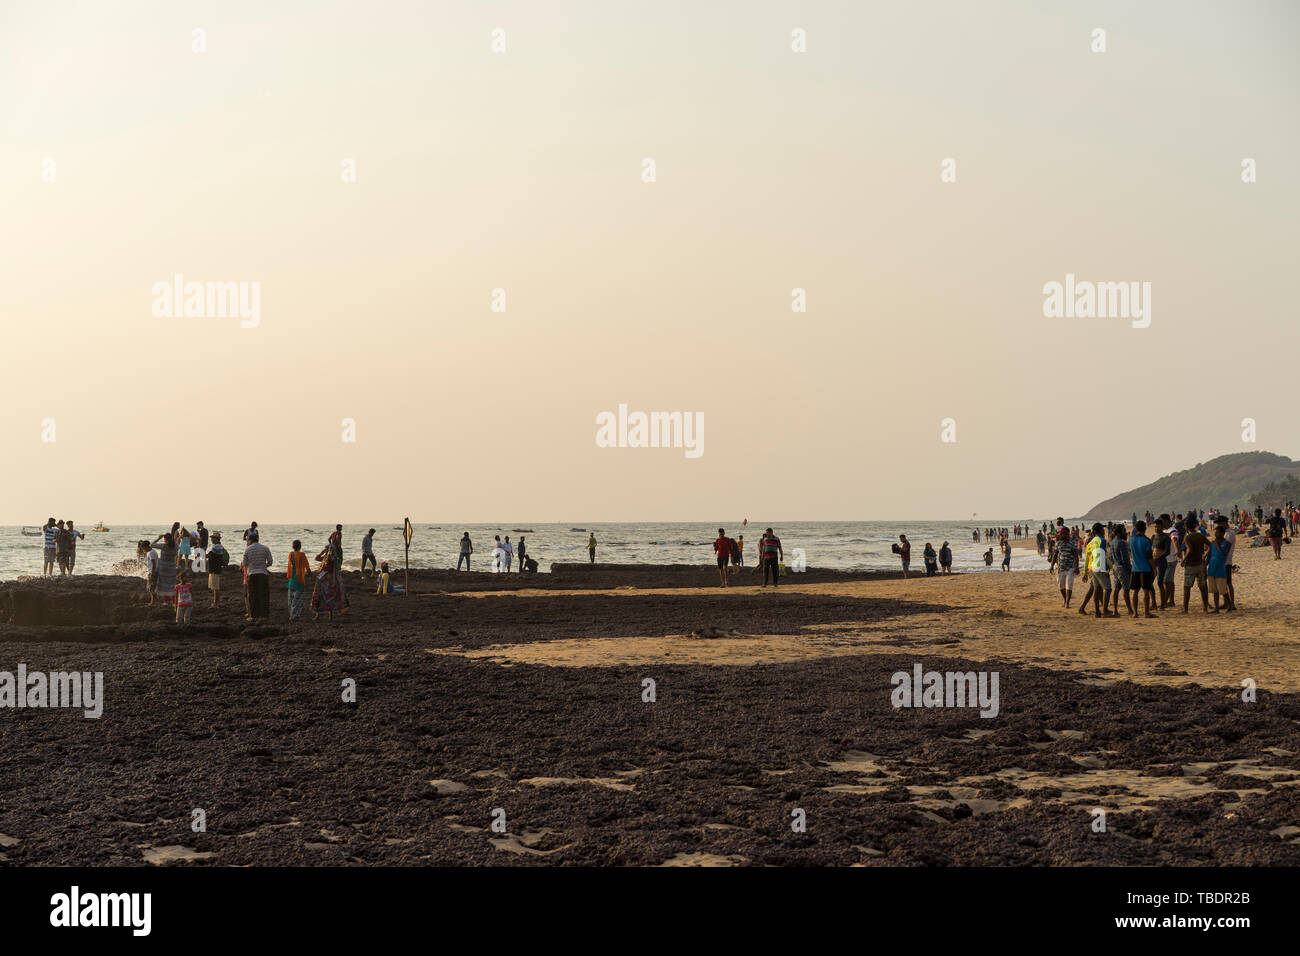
point(1218, 483)
point(1277, 493)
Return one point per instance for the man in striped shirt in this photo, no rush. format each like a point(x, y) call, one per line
point(51, 543)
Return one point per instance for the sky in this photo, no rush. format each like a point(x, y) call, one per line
point(135, 149)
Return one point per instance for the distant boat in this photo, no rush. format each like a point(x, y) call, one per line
point(31, 532)
point(99, 526)
point(577, 529)
point(523, 530)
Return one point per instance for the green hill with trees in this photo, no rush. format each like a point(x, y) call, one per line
point(1218, 483)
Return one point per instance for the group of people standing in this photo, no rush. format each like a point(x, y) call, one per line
point(60, 546)
point(175, 556)
point(1115, 563)
point(730, 555)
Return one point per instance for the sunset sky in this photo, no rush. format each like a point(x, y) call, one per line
point(522, 170)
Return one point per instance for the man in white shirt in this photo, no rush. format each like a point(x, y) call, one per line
point(509, 553)
point(256, 565)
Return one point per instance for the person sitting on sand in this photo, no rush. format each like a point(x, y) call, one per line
point(386, 585)
point(184, 596)
point(722, 552)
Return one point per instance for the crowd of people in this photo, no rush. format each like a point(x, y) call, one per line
point(1142, 564)
point(173, 559)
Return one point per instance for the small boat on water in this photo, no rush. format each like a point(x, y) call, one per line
point(31, 532)
point(577, 529)
point(523, 530)
point(99, 526)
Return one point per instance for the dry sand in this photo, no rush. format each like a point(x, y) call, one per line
point(1014, 616)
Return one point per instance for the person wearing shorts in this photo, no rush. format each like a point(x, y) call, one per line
point(1067, 562)
point(722, 551)
point(772, 554)
point(1195, 546)
point(1143, 578)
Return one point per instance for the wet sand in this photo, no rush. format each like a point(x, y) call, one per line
point(483, 692)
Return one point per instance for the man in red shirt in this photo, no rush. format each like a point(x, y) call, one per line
point(722, 548)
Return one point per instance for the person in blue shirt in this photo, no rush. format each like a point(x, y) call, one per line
point(1217, 567)
point(1143, 574)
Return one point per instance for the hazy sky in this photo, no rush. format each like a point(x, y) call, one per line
point(522, 170)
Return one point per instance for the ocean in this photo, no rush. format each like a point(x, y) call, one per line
point(842, 545)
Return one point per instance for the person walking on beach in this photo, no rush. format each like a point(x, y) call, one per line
point(50, 532)
point(257, 575)
point(945, 558)
point(295, 584)
point(904, 551)
point(772, 555)
point(466, 549)
point(1141, 552)
point(218, 559)
point(722, 551)
point(1276, 532)
point(1194, 549)
point(591, 547)
point(73, 535)
point(367, 554)
point(521, 552)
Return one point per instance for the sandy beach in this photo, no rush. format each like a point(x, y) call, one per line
point(482, 692)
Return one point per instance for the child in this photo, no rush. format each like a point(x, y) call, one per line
point(218, 558)
point(150, 558)
point(296, 583)
point(184, 596)
point(386, 585)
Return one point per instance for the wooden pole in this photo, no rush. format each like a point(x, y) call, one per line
point(406, 533)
